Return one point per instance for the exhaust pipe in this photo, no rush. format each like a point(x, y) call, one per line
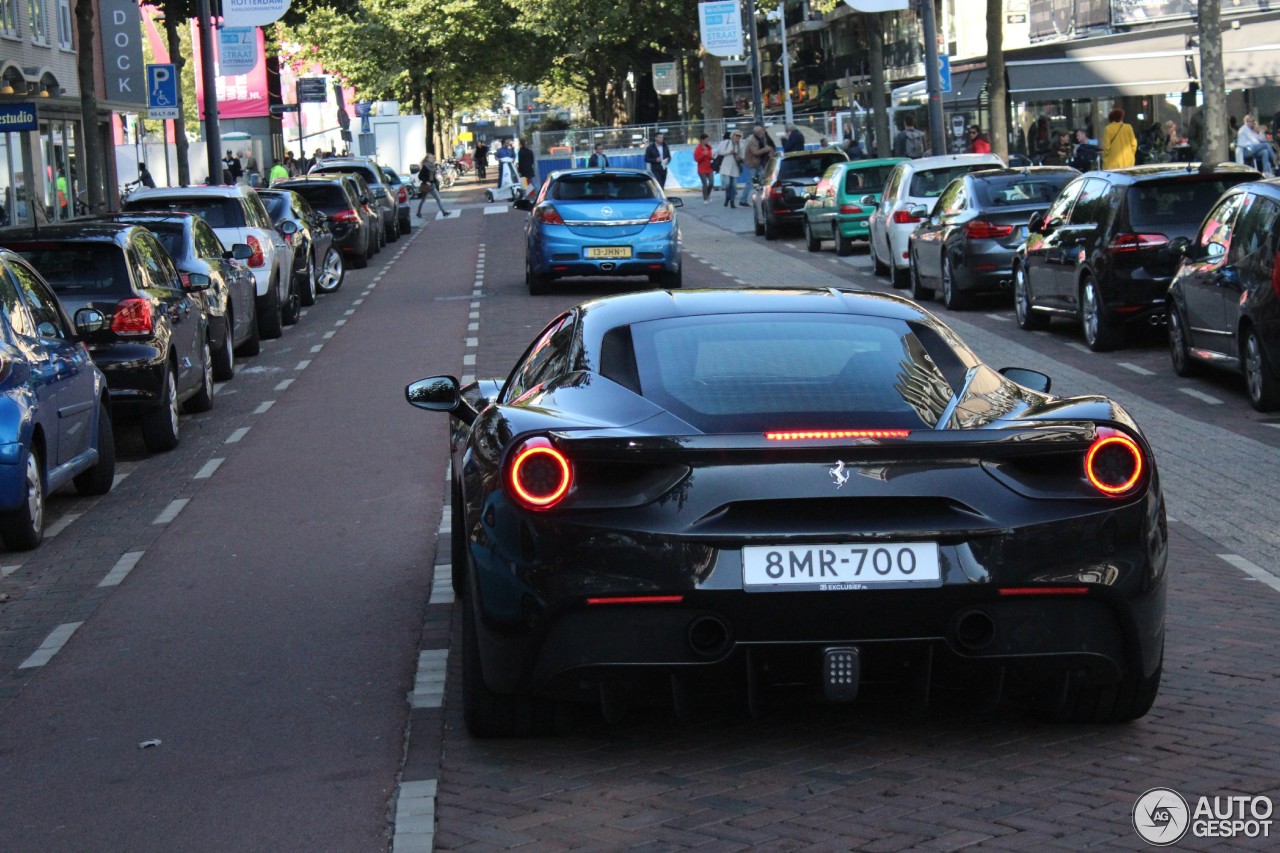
point(608, 265)
point(708, 636)
point(975, 630)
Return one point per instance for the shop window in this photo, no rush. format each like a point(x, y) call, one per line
point(39, 20)
point(64, 24)
point(9, 17)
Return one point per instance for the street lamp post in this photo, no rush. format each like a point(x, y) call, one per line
point(933, 77)
point(786, 61)
point(212, 133)
point(755, 62)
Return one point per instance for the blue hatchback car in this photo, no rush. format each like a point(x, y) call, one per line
point(601, 222)
point(55, 417)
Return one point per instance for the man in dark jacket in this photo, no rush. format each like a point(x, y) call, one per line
point(793, 141)
point(526, 168)
point(657, 157)
point(598, 159)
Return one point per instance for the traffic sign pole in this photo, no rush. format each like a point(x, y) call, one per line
point(933, 82)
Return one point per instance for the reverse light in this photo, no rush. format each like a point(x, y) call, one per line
point(804, 435)
point(133, 317)
point(904, 217)
point(257, 259)
point(538, 474)
point(1136, 242)
point(663, 213)
point(980, 229)
point(547, 215)
point(1114, 463)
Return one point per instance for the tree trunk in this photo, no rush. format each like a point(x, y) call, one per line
point(879, 97)
point(181, 146)
point(1213, 82)
point(712, 88)
point(429, 110)
point(997, 88)
point(90, 158)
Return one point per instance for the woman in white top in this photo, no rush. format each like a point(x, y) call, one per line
point(730, 151)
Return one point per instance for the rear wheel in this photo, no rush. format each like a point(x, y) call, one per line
point(538, 284)
point(269, 322)
point(202, 401)
point(332, 272)
point(1179, 352)
point(490, 714)
point(292, 306)
point(953, 298)
point(1100, 333)
point(1262, 382)
point(307, 284)
point(252, 344)
point(919, 292)
point(881, 268)
point(393, 230)
point(770, 226)
point(758, 224)
point(672, 280)
point(224, 359)
point(1028, 319)
point(160, 425)
point(811, 241)
point(99, 479)
point(844, 245)
point(360, 260)
point(21, 529)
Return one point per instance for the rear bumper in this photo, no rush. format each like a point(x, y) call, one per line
point(134, 373)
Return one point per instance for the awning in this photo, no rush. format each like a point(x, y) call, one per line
point(1251, 54)
point(966, 89)
point(1108, 67)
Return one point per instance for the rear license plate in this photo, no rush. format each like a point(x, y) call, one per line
point(609, 252)
point(840, 567)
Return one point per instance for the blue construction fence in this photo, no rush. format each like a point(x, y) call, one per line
point(682, 174)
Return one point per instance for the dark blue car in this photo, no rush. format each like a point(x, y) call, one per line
point(55, 417)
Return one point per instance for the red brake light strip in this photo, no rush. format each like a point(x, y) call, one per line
point(639, 599)
point(1045, 590)
point(802, 435)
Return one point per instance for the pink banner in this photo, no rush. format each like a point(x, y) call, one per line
point(241, 96)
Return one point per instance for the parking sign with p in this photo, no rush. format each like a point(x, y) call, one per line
point(162, 92)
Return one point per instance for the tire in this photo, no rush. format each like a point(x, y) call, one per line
point(812, 243)
point(919, 292)
point(1261, 382)
point(1179, 352)
point(360, 260)
point(758, 224)
point(292, 309)
point(457, 542)
point(672, 280)
point(332, 272)
point(22, 529)
point(406, 226)
point(1127, 700)
point(844, 245)
point(224, 358)
point(307, 283)
point(1028, 319)
point(160, 425)
point(253, 344)
point(497, 715)
point(881, 268)
point(99, 479)
point(952, 298)
point(381, 237)
point(770, 227)
point(538, 284)
point(393, 230)
point(269, 322)
point(1100, 333)
point(202, 400)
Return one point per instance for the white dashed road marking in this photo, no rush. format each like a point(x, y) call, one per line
point(61, 524)
point(171, 511)
point(51, 646)
point(1201, 396)
point(207, 470)
point(262, 407)
point(1253, 570)
point(121, 569)
point(415, 817)
point(236, 435)
point(283, 384)
point(1141, 371)
point(428, 685)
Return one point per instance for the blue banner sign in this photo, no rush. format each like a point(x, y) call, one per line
point(17, 117)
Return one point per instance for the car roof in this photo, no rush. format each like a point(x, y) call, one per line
point(872, 161)
point(945, 161)
point(1157, 171)
point(152, 217)
point(92, 230)
point(212, 190)
point(1270, 187)
point(1032, 171)
point(606, 170)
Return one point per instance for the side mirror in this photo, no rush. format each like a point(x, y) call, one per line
point(523, 204)
point(1033, 379)
point(435, 394)
point(676, 202)
point(364, 199)
point(89, 320)
point(239, 252)
point(1215, 251)
point(414, 168)
point(288, 227)
point(1036, 222)
point(1180, 247)
point(870, 200)
point(919, 212)
point(197, 281)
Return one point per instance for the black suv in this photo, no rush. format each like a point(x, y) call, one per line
point(1100, 254)
point(779, 197)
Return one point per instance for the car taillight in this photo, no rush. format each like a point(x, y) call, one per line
point(1136, 242)
point(257, 259)
point(805, 435)
point(980, 229)
point(402, 196)
point(904, 217)
point(1114, 463)
point(133, 317)
point(345, 217)
point(775, 194)
point(538, 474)
point(663, 213)
point(850, 208)
point(547, 215)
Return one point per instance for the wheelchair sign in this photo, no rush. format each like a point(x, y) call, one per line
point(162, 92)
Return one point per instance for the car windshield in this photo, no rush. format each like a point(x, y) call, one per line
point(597, 187)
point(1179, 201)
point(808, 167)
point(219, 212)
point(869, 180)
point(78, 267)
point(930, 183)
point(1016, 190)
point(749, 372)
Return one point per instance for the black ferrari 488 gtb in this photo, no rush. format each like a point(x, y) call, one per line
point(683, 493)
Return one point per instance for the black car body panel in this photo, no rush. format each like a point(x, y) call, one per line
point(780, 196)
point(380, 191)
point(334, 197)
point(638, 571)
point(312, 236)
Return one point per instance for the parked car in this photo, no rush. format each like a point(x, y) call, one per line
point(840, 206)
point(229, 299)
point(153, 346)
point(914, 184)
point(601, 222)
point(1224, 302)
point(55, 413)
point(236, 215)
point(317, 263)
point(335, 198)
point(379, 189)
point(369, 206)
point(966, 245)
point(405, 192)
point(779, 196)
point(1100, 255)
point(793, 486)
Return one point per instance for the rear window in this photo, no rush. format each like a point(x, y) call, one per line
point(1019, 190)
point(277, 206)
point(597, 187)
point(172, 239)
point(931, 182)
point(748, 373)
point(362, 171)
point(1181, 201)
point(218, 212)
point(323, 197)
point(869, 180)
point(79, 268)
point(808, 167)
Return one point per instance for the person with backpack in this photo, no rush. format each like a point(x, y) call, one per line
point(909, 142)
point(429, 184)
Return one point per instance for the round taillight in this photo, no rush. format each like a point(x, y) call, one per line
point(539, 475)
point(1114, 463)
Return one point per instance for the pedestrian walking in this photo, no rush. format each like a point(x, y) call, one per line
point(755, 155)
point(792, 140)
point(526, 166)
point(657, 157)
point(1119, 144)
point(481, 160)
point(232, 168)
point(909, 142)
point(144, 176)
point(702, 155)
point(598, 159)
point(730, 153)
point(429, 182)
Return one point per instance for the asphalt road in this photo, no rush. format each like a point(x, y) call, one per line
point(285, 633)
